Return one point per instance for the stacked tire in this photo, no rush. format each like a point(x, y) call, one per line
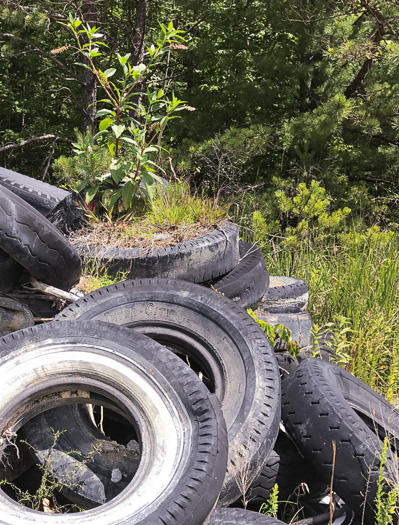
point(131, 343)
point(170, 391)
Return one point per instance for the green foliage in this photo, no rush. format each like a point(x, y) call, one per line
point(176, 205)
point(277, 331)
point(90, 161)
point(95, 275)
point(270, 507)
point(341, 342)
point(49, 485)
point(301, 214)
point(386, 504)
point(354, 286)
point(129, 126)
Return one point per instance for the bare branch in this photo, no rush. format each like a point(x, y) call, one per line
point(17, 145)
point(39, 51)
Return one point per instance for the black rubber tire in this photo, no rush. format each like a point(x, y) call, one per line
point(321, 404)
point(35, 243)
point(202, 259)
point(287, 295)
point(285, 466)
point(224, 342)
point(183, 434)
point(68, 214)
point(232, 516)
point(10, 272)
point(14, 315)
point(40, 195)
point(247, 283)
point(299, 324)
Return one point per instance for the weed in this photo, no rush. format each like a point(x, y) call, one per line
point(45, 495)
point(95, 275)
point(386, 503)
point(270, 507)
point(279, 331)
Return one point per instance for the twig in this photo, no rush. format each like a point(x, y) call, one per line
point(52, 291)
point(17, 145)
point(331, 484)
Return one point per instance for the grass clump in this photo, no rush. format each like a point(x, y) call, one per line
point(354, 289)
point(175, 205)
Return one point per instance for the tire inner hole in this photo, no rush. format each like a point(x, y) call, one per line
point(71, 458)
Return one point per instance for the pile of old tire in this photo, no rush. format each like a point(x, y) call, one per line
point(131, 344)
point(183, 376)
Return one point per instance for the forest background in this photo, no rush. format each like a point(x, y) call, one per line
point(296, 125)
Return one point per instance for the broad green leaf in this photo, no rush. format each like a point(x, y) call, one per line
point(90, 194)
point(128, 192)
point(118, 130)
point(105, 123)
point(122, 60)
point(130, 141)
point(140, 68)
point(150, 149)
point(82, 185)
point(115, 197)
point(149, 184)
point(109, 72)
point(155, 165)
point(103, 112)
point(111, 146)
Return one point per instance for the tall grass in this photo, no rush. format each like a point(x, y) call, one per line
point(357, 279)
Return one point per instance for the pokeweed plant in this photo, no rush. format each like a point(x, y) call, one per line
point(131, 119)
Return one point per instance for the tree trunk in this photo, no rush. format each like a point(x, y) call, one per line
point(139, 31)
point(89, 85)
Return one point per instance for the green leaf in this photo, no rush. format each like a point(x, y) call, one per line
point(82, 185)
point(111, 146)
point(130, 141)
point(90, 194)
point(149, 184)
point(83, 65)
point(115, 197)
point(118, 130)
point(140, 68)
point(103, 112)
point(109, 72)
point(150, 150)
point(128, 192)
point(105, 123)
point(155, 165)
